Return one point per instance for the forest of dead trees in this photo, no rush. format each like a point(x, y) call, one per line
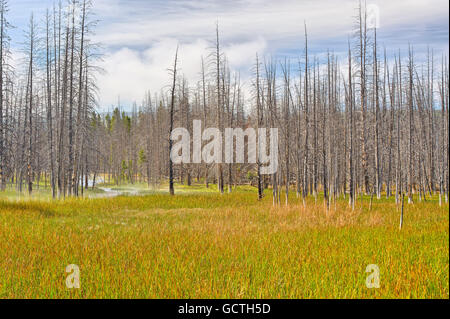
point(364, 123)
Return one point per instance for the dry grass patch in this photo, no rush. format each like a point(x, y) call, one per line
point(213, 246)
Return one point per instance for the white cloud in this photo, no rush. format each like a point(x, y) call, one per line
point(243, 55)
point(132, 72)
point(141, 36)
point(140, 22)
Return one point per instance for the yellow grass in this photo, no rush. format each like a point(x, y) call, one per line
point(206, 245)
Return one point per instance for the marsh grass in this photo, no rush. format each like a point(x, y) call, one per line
point(204, 245)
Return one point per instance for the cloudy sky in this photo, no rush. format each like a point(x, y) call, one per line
point(139, 37)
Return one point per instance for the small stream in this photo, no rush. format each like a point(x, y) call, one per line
point(110, 193)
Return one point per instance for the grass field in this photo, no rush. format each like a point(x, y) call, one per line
point(203, 245)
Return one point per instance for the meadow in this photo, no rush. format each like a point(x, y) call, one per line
point(200, 244)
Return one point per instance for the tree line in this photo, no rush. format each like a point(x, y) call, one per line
point(47, 105)
point(366, 123)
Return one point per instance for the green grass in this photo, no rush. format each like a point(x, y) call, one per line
point(41, 193)
point(200, 244)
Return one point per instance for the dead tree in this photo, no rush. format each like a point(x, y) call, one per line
point(171, 123)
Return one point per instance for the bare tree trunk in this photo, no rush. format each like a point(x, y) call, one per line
point(315, 148)
point(78, 129)
point(431, 131)
point(49, 109)
point(378, 183)
point(30, 108)
point(205, 118)
point(286, 71)
point(306, 148)
point(392, 93)
point(410, 131)
point(71, 100)
point(219, 109)
point(2, 43)
point(61, 169)
point(171, 123)
point(399, 178)
point(258, 124)
point(350, 104)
